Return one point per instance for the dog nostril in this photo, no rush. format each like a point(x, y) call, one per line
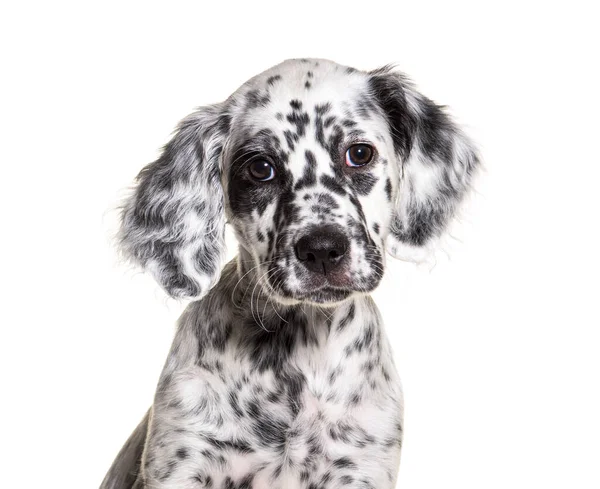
point(333, 255)
point(310, 257)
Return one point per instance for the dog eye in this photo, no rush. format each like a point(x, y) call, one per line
point(261, 170)
point(359, 155)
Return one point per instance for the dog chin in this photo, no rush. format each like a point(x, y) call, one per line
point(324, 297)
point(327, 296)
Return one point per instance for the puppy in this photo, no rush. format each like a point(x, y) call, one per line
point(280, 375)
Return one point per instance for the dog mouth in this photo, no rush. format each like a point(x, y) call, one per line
point(292, 281)
point(327, 295)
point(322, 290)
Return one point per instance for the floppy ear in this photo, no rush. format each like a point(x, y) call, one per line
point(173, 224)
point(437, 164)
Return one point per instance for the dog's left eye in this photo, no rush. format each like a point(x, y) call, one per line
point(359, 155)
point(261, 170)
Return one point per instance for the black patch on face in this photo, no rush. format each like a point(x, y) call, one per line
point(331, 183)
point(272, 79)
point(307, 84)
point(388, 189)
point(254, 99)
point(356, 203)
point(182, 453)
point(364, 182)
point(291, 138)
point(298, 118)
point(322, 206)
point(245, 194)
point(309, 177)
point(309, 74)
point(376, 228)
point(335, 141)
point(322, 109)
point(364, 108)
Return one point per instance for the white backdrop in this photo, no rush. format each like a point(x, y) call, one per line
point(497, 345)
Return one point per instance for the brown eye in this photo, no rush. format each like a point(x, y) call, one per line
point(261, 170)
point(359, 155)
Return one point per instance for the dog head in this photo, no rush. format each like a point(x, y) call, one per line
point(318, 168)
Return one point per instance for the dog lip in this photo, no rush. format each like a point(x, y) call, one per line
point(327, 294)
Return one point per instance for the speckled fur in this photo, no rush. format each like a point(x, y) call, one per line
point(280, 377)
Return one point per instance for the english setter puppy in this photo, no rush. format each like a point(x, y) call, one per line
point(280, 375)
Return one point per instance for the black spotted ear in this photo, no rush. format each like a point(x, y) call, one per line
point(437, 163)
point(173, 224)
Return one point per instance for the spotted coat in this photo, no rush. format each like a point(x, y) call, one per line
point(280, 376)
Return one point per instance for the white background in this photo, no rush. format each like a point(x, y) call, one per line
point(497, 346)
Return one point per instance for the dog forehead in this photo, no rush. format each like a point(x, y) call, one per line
point(307, 105)
point(302, 85)
point(307, 76)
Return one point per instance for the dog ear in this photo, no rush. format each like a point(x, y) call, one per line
point(436, 161)
point(173, 224)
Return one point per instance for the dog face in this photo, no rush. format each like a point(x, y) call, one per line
point(317, 166)
point(309, 181)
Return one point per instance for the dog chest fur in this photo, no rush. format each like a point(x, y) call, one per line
point(297, 398)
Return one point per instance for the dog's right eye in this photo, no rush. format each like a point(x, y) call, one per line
point(261, 170)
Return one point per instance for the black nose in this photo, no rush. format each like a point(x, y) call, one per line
point(322, 249)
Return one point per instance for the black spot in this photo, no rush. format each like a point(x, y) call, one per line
point(363, 182)
point(344, 463)
point(236, 445)
point(255, 99)
point(388, 189)
point(272, 79)
point(329, 121)
point(309, 177)
point(300, 120)
point(322, 109)
point(295, 104)
point(335, 142)
point(182, 453)
point(331, 183)
point(347, 318)
point(290, 138)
